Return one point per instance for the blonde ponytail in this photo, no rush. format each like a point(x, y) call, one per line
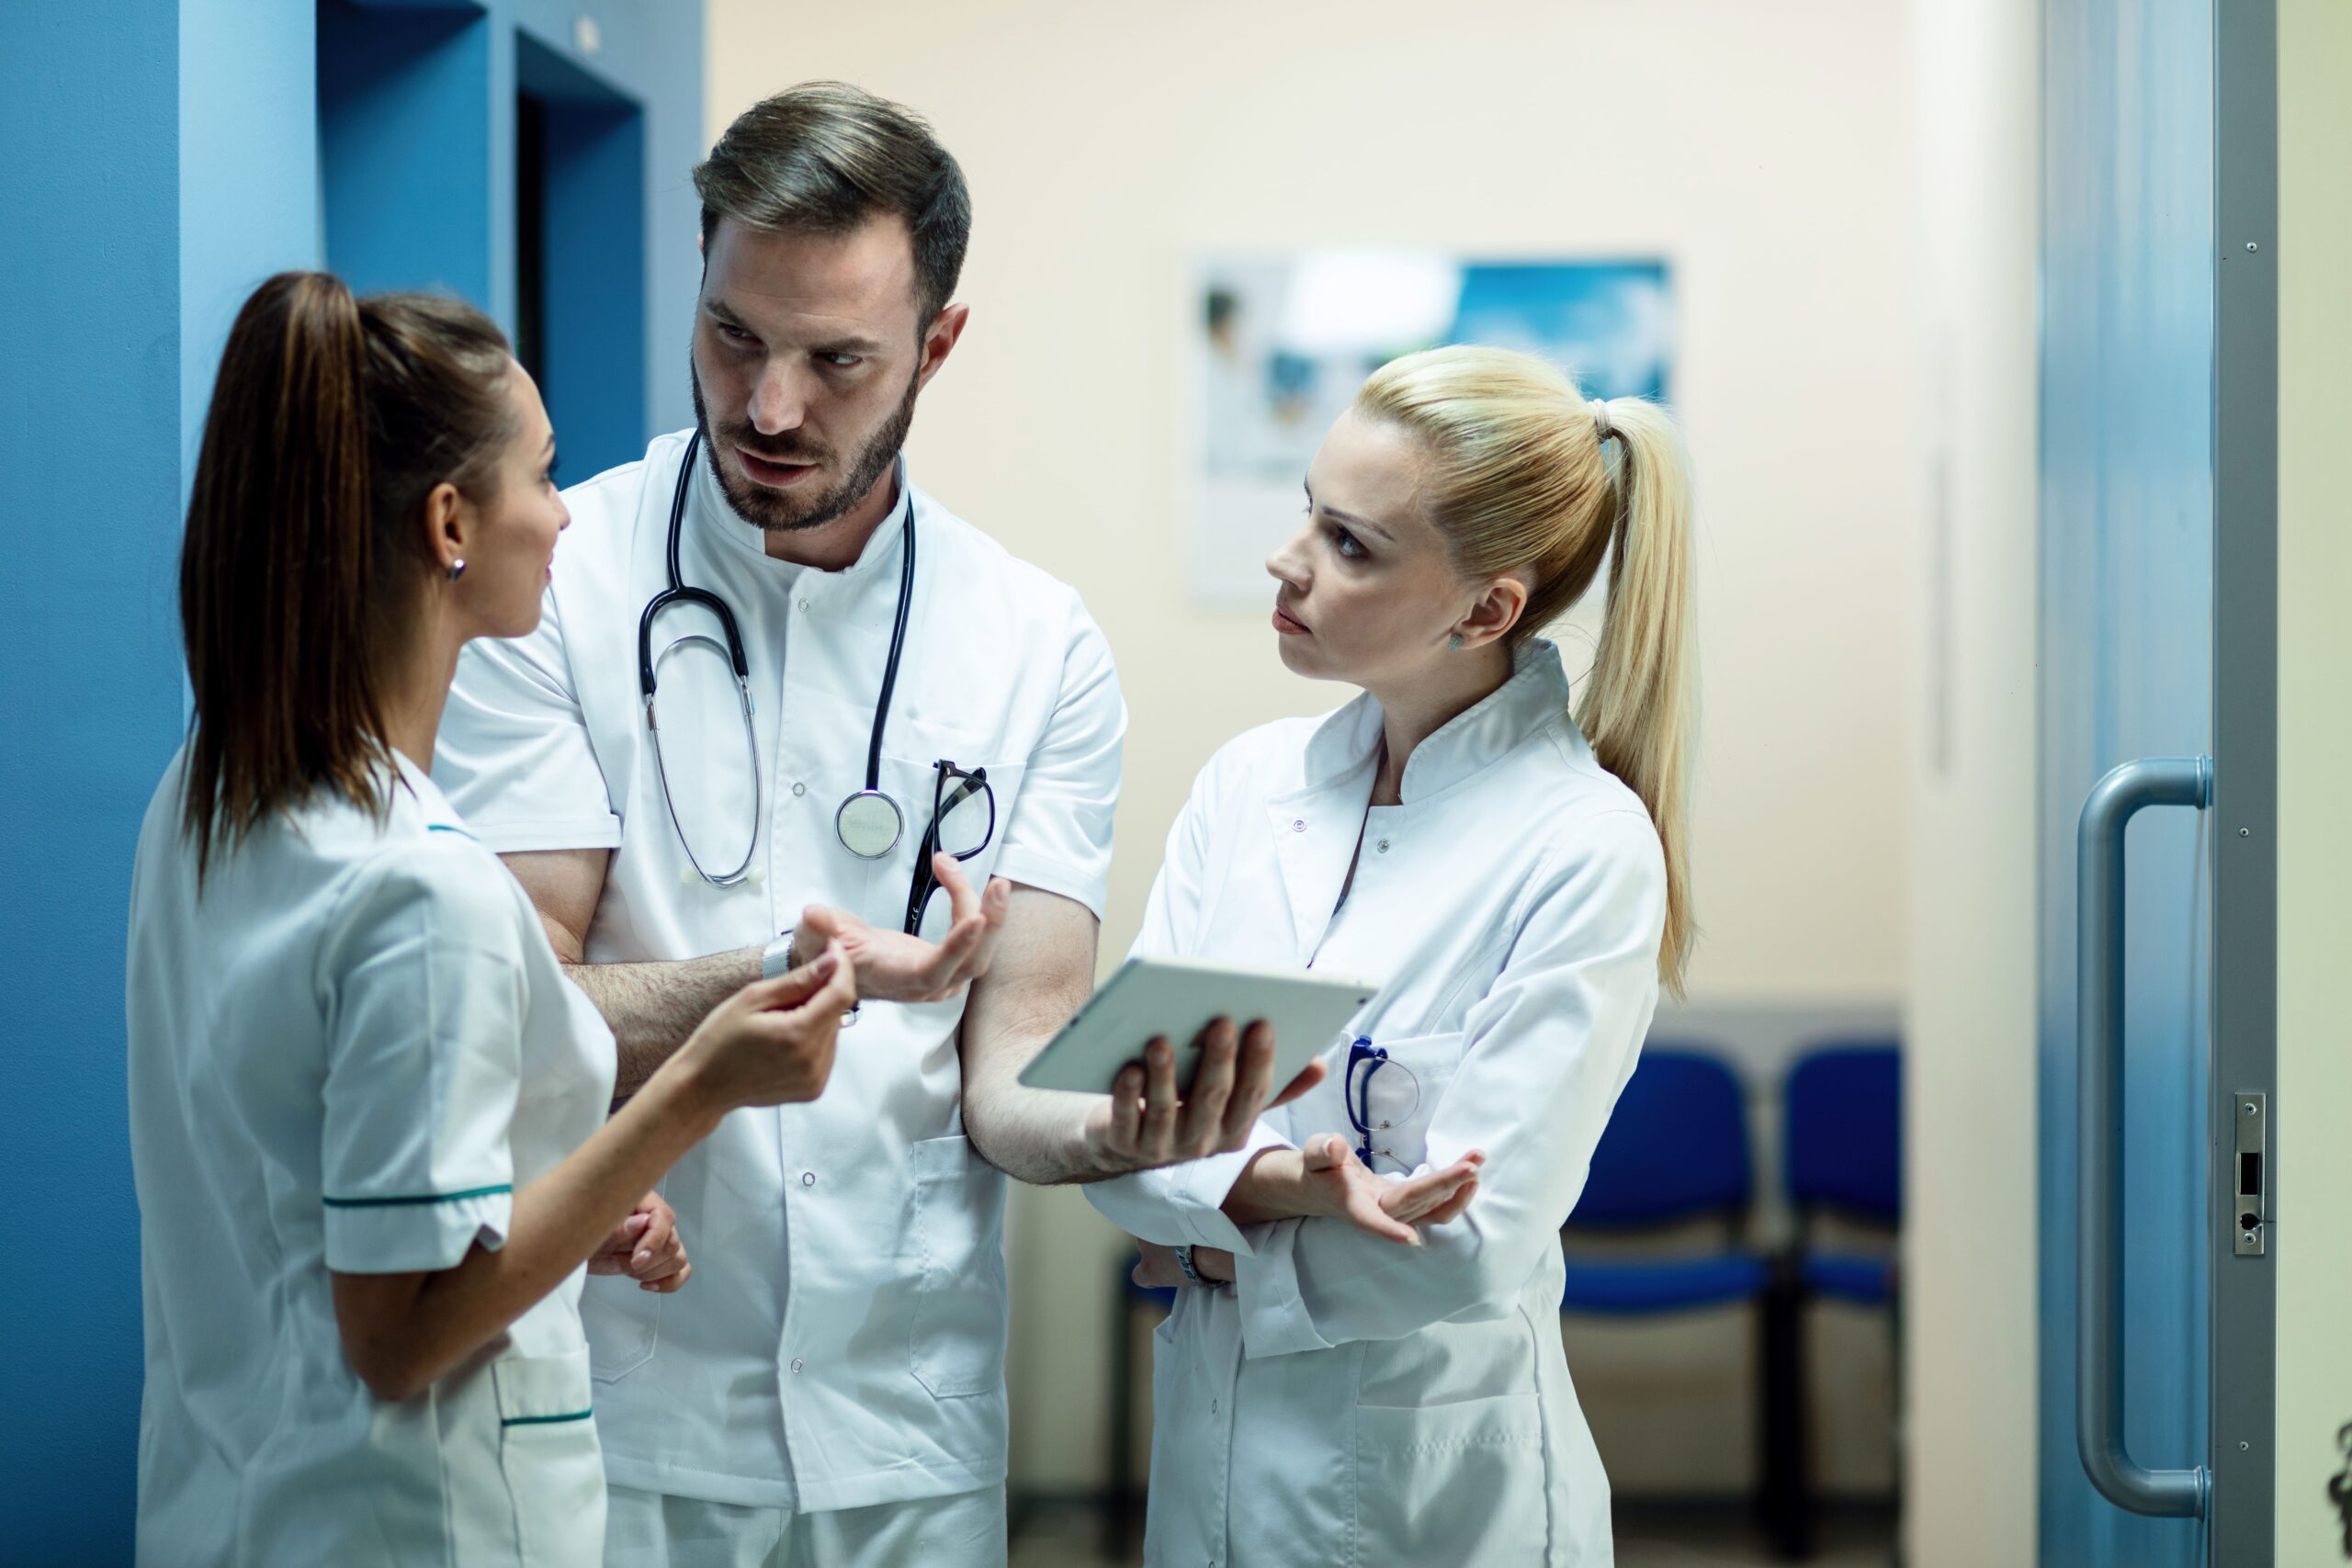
point(1639, 707)
point(1521, 484)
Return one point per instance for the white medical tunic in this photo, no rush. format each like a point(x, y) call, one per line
point(1350, 1401)
point(842, 1343)
point(347, 1053)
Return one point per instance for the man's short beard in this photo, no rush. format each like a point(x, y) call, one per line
point(779, 511)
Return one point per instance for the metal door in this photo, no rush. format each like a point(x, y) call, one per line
point(2156, 690)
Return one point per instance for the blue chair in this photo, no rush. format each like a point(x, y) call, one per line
point(1842, 1131)
point(1844, 1156)
point(1676, 1151)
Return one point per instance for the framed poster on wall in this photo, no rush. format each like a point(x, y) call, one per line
point(1282, 344)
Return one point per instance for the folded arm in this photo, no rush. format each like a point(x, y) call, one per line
point(1545, 1053)
point(1323, 1180)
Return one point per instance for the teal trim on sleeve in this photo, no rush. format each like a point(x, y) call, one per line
point(447, 827)
point(425, 1198)
point(546, 1420)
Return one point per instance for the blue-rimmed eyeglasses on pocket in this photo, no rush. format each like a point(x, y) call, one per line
point(1366, 1061)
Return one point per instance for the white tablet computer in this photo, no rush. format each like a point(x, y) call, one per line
point(1178, 998)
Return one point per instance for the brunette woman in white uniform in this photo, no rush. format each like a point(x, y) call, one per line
point(1509, 861)
point(369, 1113)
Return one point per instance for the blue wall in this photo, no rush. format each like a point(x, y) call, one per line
point(404, 139)
point(591, 185)
point(90, 509)
point(652, 53)
point(417, 148)
point(159, 158)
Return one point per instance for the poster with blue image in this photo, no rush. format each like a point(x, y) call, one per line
point(1284, 341)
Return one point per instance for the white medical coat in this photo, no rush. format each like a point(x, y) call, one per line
point(842, 1343)
point(347, 1054)
point(1350, 1401)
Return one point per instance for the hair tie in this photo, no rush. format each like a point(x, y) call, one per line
point(1601, 420)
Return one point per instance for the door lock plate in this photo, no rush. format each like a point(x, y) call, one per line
point(2249, 1212)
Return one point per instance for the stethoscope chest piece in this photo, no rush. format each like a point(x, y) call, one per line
point(869, 823)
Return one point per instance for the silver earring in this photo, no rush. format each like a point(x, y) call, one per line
point(1454, 642)
point(457, 570)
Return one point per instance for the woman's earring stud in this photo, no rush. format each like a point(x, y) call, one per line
point(457, 570)
point(1453, 642)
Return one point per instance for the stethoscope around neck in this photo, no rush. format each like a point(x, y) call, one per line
point(869, 821)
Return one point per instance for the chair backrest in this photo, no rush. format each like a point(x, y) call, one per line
point(1676, 1148)
point(1842, 1129)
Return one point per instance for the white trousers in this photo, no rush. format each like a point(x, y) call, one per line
point(648, 1529)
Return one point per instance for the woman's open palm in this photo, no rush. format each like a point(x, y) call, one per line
point(1391, 1210)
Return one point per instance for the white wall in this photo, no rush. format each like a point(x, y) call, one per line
point(2313, 1105)
point(1969, 1179)
point(1763, 150)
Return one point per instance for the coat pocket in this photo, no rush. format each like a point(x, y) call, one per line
point(957, 1344)
point(624, 1325)
point(1462, 1483)
point(550, 1456)
point(977, 822)
point(1394, 1096)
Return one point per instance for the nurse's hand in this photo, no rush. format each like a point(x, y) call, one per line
point(894, 967)
point(1147, 1123)
point(1325, 1180)
point(771, 1042)
point(646, 1247)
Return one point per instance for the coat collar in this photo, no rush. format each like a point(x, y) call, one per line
point(707, 502)
point(433, 808)
point(1535, 694)
point(1317, 826)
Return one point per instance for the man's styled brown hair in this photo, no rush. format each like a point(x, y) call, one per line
point(824, 158)
point(332, 420)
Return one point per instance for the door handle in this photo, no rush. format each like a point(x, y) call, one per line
point(2098, 1302)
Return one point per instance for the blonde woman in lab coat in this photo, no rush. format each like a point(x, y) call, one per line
point(368, 1113)
point(1365, 1369)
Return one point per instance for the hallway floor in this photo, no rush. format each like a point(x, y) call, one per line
point(1701, 1535)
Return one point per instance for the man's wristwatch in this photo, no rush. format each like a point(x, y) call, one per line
point(775, 959)
point(1192, 1275)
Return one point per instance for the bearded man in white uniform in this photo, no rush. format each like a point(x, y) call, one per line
point(830, 1390)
